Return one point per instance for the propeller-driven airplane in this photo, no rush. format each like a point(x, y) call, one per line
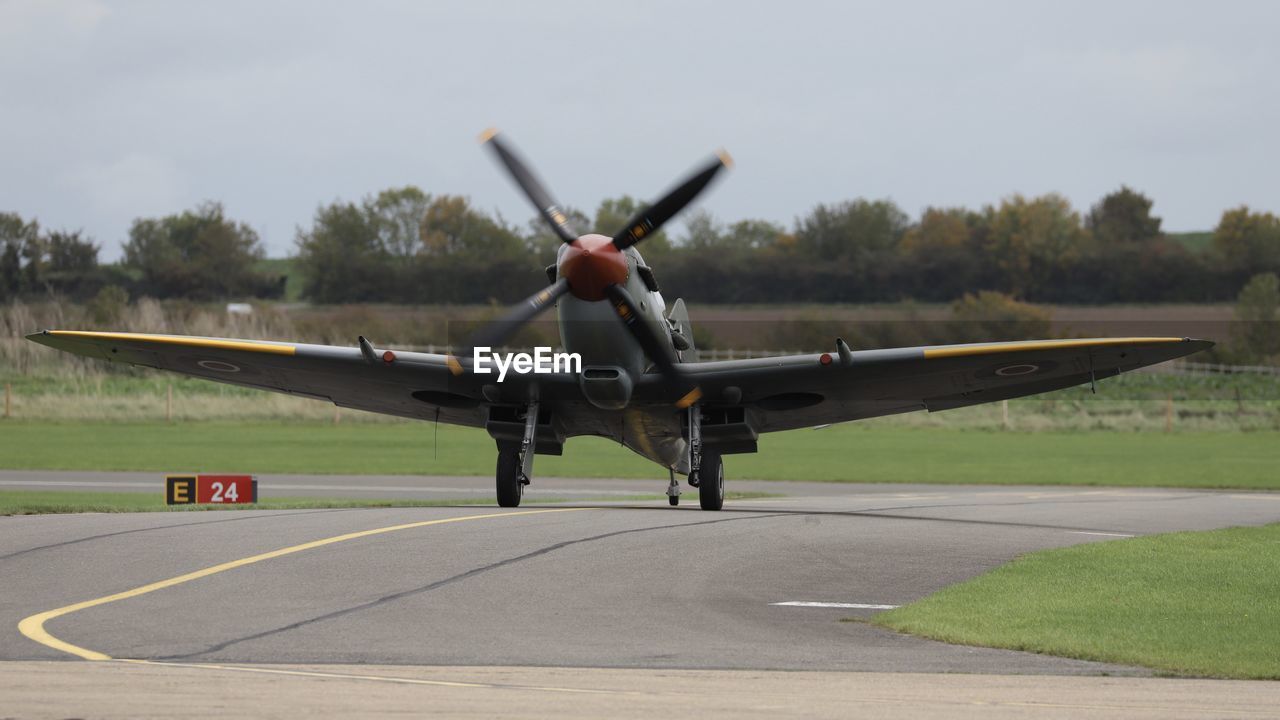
point(633, 384)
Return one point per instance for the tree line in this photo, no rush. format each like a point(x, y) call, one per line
point(403, 245)
point(198, 254)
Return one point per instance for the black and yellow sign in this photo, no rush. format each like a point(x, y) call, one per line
point(180, 489)
point(210, 489)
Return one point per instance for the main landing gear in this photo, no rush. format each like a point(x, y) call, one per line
point(706, 468)
point(510, 482)
point(515, 462)
point(709, 479)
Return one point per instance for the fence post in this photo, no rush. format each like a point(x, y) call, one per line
point(1168, 413)
point(8, 400)
point(1004, 413)
point(168, 403)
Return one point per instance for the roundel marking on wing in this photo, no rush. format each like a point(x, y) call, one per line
point(1016, 370)
point(225, 367)
point(218, 366)
point(1011, 370)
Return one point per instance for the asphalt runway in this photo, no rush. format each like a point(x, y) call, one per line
point(585, 585)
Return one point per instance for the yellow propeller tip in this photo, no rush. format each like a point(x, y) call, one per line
point(455, 367)
point(487, 135)
point(725, 157)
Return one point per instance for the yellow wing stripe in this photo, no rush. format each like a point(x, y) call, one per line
point(247, 345)
point(963, 350)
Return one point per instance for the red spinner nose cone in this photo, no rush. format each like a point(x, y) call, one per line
point(591, 264)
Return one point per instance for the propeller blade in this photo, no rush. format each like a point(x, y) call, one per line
point(650, 219)
point(653, 346)
point(531, 185)
point(500, 331)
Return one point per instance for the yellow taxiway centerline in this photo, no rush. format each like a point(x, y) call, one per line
point(33, 626)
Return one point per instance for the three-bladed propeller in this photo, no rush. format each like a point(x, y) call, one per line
point(594, 267)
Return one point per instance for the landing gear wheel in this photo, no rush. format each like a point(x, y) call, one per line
point(510, 488)
point(673, 499)
point(711, 481)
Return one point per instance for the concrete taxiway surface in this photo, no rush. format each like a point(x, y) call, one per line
point(592, 585)
point(127, 690)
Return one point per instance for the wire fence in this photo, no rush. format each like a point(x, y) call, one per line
point(1187, 367)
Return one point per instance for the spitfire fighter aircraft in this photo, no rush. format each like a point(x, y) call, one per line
point(634, 384)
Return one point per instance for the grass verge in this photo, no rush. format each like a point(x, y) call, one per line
point(1192, 603)
point(843, 453)
point(26, 502)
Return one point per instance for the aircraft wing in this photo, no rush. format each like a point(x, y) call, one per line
point(797, 391)
point(414, 385)
point(779, 393)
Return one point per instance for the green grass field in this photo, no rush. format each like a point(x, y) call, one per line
point(288, 267)
point(843, 453)
point(1195, 603)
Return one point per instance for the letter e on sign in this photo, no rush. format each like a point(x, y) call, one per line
point(179, 489)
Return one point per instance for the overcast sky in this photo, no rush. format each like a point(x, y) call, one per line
point(110, 111)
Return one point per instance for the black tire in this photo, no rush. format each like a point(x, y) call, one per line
point(509, 486)
point(711, 481)
point(673, 499)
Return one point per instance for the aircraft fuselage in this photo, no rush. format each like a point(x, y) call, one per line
point(613, 362)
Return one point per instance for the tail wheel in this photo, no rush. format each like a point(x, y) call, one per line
point(509, 486)
point(711, 481)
